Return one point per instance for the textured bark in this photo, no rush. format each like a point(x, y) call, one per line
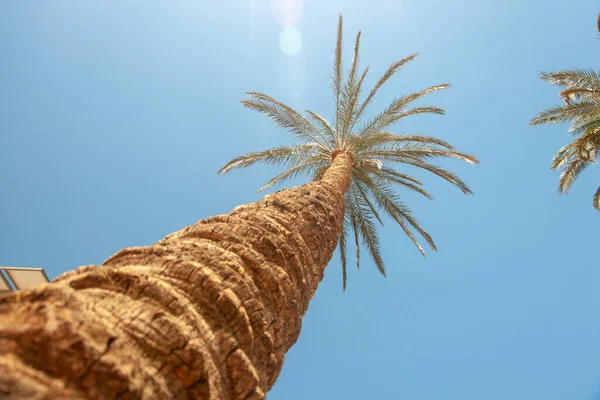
point(206, 313)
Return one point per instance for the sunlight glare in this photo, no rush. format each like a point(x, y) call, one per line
point(287, 12)
point(290, 40)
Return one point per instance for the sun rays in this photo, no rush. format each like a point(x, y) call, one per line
point(288, 13)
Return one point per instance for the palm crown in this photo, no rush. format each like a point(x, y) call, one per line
point(582, 108)
point(373, 148)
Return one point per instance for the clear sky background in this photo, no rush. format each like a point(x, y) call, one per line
point(116, 115)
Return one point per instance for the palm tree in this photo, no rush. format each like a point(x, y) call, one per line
point(582, 109)
point(209, 311)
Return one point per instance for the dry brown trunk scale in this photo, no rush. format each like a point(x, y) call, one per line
point(206, 313)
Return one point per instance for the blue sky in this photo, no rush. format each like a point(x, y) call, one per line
point(115, 117)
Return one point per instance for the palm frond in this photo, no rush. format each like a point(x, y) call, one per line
point(285, 117)
point(343, 236)
point(390, 202)
point(574, 78)
point(351, 92)
point(591, 122)
point(350, 83)
point(361, 143)
point(386, 174)
point(584, 148)
point(387, 75)
point(361, 193)
point(596, 200)
point(561, 156)
point(325, 125)
point(395, 110)
point(374, 162)
point(353, 105)
point(441, 172)
point(350, 223)
point(414, 111)
point(566, 113)
point(362, 220)
point(283, 155)
point(398, 175)
point(356, 243)
point(336, 81)
point(419, 151)
point(569, 174)
point(305, 168)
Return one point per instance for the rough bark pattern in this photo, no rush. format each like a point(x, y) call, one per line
point(206, 313)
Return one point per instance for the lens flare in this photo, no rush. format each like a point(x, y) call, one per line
point(287, 12)
point(290, 41)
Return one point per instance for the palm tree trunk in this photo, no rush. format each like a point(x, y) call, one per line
point(206, 313)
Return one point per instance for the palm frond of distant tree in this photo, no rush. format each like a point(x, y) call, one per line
point(581, 97)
